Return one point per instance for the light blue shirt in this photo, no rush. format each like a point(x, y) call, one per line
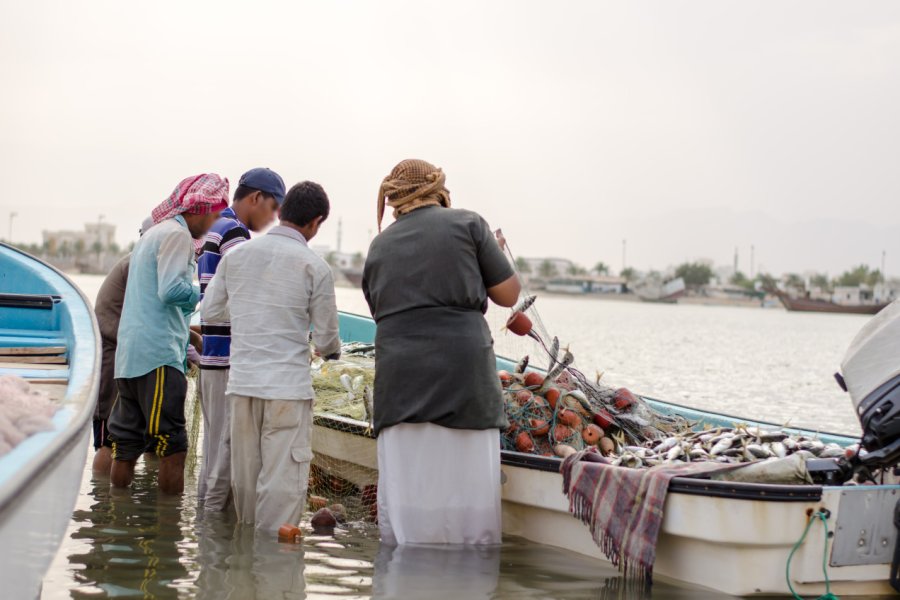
point(159, 298)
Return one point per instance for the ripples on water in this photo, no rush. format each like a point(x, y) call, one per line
point(137, 544)
point(766, 363)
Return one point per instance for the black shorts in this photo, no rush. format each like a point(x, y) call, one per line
point(101, 434)
point(149, 411)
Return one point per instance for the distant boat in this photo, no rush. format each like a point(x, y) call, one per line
point(48, 336)
point(656, 290)
point(827, 306)
point(354, 276)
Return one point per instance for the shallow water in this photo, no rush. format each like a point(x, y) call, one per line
point(766, 363)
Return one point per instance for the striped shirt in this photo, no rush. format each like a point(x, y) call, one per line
point(225, 235)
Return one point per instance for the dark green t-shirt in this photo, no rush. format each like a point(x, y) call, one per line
point(426, 280)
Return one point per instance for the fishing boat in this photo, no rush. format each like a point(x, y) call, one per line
point(725, 536)
point(801, 304)
point(48, 336)
point(653, 289)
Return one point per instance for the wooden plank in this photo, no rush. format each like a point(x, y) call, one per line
point(55, 388)
point(44, 360)
point(15, 365)
point(31, 350)
point(63, 382)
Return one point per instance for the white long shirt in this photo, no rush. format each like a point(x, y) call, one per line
point(273, 289)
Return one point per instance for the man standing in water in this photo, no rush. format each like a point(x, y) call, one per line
point(273, 289)
point(256, 200)
point(108, 310)
point(154, 333)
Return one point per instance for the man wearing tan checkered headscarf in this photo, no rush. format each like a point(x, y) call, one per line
point(412, 184)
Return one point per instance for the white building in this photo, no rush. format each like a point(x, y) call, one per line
point(86, 240)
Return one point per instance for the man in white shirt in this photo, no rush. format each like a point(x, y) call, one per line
point(274, 289)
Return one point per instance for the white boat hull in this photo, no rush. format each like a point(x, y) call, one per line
point(32, 526)
point(734, 546)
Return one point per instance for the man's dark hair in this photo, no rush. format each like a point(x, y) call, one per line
point(242, 191)
point(304, 202)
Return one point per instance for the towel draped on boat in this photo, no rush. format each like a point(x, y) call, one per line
point(624, 507)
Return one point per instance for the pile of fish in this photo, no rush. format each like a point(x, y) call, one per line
point(738, 444)
point(552, 415)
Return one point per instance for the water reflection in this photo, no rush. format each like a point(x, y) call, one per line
point(137, 544)
point(133, 540)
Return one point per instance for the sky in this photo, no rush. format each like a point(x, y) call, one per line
point(689, 130)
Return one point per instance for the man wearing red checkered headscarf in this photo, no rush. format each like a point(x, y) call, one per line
point(153, 335)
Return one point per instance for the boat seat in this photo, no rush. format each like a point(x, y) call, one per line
point(34, 355)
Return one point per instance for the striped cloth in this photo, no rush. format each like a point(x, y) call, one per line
point(624, 507)
point(226, 234)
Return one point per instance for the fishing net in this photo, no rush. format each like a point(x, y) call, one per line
point(553, 408)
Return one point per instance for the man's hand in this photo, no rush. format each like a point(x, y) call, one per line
point(192, 355)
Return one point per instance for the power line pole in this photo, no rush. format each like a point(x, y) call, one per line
point(340, 232)
point(12, 216)
point(624, 251)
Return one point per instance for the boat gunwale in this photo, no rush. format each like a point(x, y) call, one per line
point(64, 439)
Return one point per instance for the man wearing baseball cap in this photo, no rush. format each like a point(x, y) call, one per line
point(259, 194)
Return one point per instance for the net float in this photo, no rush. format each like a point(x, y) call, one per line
point(568, 417)
point(607, 446)
point(290, 534)
point(603, 419)
point(339, 511)
point(533, 379)
point(591, 434)
point(539, 427)
point(317, 502)
point(523, 396)
point(519, 323)
point(524, 442)
point(552, 397)
point(506, 378)
point(561, 433)
point(624, 399)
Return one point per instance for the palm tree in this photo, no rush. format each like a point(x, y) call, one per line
point(601, 268)
point(522, 265)
point(547, 270)
point(627, 274)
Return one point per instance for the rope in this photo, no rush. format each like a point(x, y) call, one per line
point(827, 595)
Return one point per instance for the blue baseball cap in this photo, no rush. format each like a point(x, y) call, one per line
point(264, 180)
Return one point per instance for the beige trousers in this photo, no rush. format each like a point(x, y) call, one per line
point(271, 448)
point(214, 487)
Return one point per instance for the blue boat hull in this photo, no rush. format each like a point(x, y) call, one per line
point(40, 478)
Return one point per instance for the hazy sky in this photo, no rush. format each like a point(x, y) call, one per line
point(688, 128)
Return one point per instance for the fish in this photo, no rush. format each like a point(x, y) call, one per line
point(831, 451)
point(674, 453)
point(347, 382)
point(696, 453)
point(667, 444)
point(758, 451)
point(721, 446)
point(778, 449)
point(814, 446)
point(525, 304)
point(523, 364)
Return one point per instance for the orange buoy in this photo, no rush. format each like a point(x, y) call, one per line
point(568, 417)
point(506, 378)
point(533, 379)
point(523, 396)
point(562, 433)
point(290, 534)
point(540, 427)
point(519, 323)
point(607, 446)
point(524, 442)
point(592, 434)
point(317, 502)
point(552, 396)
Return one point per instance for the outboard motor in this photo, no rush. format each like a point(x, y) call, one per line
point(870, 372)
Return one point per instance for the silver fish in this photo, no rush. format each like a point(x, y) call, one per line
point(674, 452)
point(721, 446)
point(667, 444)
point(758, 451)
point(778, 449)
